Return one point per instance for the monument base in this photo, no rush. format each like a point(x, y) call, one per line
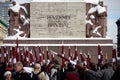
point(84, 45)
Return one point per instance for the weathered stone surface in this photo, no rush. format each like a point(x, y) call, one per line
point(57, 20)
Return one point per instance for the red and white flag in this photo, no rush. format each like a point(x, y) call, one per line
point(63, 55)
point(27, 54)
point(22, 54)
point(31, 57)
point(40, 56)
point(76, 54)
point(10, 55)
point(100, 56)
point(69, 53)
point(14, 54)
point(5, 54)
point(36, 55)
point(17, 50)
point(114, 59)
point(43, 57)
point(52, 57)
point(83, 61)
point(88, 59)
point(47, 54)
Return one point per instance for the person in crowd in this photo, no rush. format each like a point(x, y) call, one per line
point(2, 70)
point(20, 74)
point(9, 67)
point(89, 76)
point(116, 75)
point(41, 74)
point(8, 75)
point(70, 74)
point(104, 74)
point(53, 72)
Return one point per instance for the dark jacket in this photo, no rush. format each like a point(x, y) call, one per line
point(116, 75)
point(21, 76)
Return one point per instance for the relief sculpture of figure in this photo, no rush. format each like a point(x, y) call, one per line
point(14, 18)
point(90, 25)
point(99, 12)
point(19, 20)
point(101, 18)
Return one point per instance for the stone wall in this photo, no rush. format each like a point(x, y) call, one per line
point(57, 20)
point(3, 33)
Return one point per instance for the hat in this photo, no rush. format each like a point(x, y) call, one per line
point(6, 73)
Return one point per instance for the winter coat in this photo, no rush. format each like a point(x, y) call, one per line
point(104, 74)
point(116, 75)
point(22, 76)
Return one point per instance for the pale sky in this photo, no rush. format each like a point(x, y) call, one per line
point(113, 7)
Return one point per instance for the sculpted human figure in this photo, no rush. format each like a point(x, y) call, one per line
point(19, 20)
point(14, 18)
point(99, 12)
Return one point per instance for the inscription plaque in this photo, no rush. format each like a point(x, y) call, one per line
point(57, 19)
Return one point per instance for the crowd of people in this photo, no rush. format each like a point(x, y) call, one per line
point(53, 71)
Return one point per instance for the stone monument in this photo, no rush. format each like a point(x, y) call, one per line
point(58, 23)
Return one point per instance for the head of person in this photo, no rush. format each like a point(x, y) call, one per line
point(7, 75)
point(107, 65)
point(92, 17)
point(93, 66)
point(14, 3)
point(70, 67)
point(2, 65)
point(37, 67)
point(101, 3)
point(18, 66)
point(10, 65)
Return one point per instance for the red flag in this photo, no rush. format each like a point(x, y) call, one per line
point(43, 57)
point(83, 61)
point(7, 57)
point(11, 55)
point(22, 56)
point(14, 54)
point(40, 55)
point(5, 54)
point(52, 57)
point(76, 54)
point(31, 57)
point(114, 56)
point(48, 58)
point(36, 55)
point(100, 56)
point(17, 54)
point(17, 51)
point(63, 55)
point(114, 59)
point(69, 54)
point(27, 55)
point(72, 62)
point(88, 58)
